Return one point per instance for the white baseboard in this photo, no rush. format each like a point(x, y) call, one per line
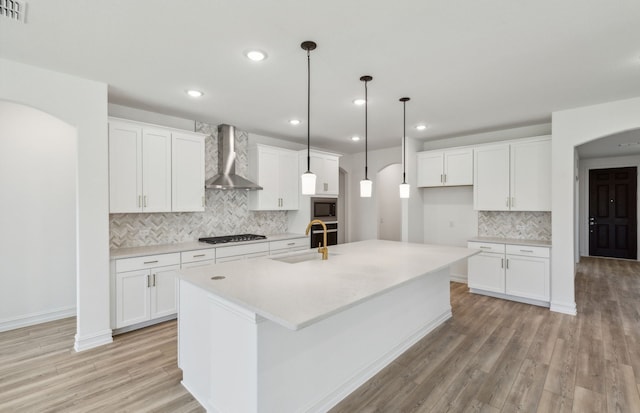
point(37, 318)
point(564, 308)
point(459, 278)
point(511, 297)
point(90, 341)
point(365, 374)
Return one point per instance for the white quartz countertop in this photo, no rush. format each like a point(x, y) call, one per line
point(189, 246)
point(512, 241)
point(300, 294)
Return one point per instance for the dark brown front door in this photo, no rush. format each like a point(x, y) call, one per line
point(613, 213)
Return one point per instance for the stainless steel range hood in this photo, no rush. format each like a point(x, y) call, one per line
point(227, 178)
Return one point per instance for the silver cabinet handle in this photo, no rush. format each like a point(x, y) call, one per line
point(326, 187)
point(507, 262)
point(445, 178)
point(291, 244)
point(441, 179)
point(502, 263)
point(139, 201)
point(507, 202)
point(513, 202)
point(144, 201)
point(148, 281)
point(485, 248)
point(154, 280)
point(526, 250)
point(199, 255)
point(150, 262)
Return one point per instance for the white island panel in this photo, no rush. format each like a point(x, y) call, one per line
point(279, 337)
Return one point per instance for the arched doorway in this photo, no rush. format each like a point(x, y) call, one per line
point(38, 247)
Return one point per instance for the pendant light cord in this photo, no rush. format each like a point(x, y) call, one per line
point(366, 123)
point(308, 111)
point(404, 141)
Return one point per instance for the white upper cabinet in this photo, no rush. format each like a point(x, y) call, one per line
point(326, 168)
point(187, 172)
point(156, 170)
point(125, 167)
point(513, 176)
point(531, 176)
point(491, 178)
point(276, 171)
point(142, 174)
point(445, 168)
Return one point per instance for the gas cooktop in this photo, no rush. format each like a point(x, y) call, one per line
point(231, 238)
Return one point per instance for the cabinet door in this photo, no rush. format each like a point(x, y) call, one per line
point(491, 178)
point(164, 291)
point(531, 176)
point(331, 176)
point(132, 297)
point(125, 168)
point(187, 172)
point(429, 167)
point(486, 272)
point(288, 179)
point(156, 170)
point(268, 179)
point(528, 277)
point(458, 167)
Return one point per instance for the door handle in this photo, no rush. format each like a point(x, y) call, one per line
point(154, 280)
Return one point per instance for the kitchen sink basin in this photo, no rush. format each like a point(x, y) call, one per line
point(307, 256)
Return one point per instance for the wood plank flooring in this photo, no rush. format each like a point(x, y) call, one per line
point(492, 356)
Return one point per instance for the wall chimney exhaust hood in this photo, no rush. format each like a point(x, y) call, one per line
point(227, 178)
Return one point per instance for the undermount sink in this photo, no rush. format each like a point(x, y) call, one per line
point(307, 256)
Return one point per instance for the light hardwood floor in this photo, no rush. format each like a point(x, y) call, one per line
point(492, 356)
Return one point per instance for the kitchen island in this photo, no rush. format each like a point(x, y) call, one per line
point(299, 334)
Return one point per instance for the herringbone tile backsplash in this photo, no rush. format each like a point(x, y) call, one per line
point(226, 212)
point(515, 224)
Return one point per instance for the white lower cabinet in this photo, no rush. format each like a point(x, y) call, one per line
point(288, 245)
point(520, 273)
point(145, 288)
point(198, 258)
point(242, 252)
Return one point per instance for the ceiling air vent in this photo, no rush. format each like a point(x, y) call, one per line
point(12, 9)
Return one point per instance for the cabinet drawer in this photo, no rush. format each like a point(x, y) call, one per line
point(528, 251)
point(286, 244)
point(487, 247)
point(242, 257)
point(198, 255)
point(223, 252)
point(148, 261)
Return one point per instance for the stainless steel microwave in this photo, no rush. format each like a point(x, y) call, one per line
point(324, 209)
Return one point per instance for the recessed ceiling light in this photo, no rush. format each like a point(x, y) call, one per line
point(421, 127)
point(194, 93)
point(359, 102)
point(294, 122)
point(256, 55)
point(355, 138)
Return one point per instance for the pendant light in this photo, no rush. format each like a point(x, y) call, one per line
point(308, 178)
point(365, 185)
point(405, 188)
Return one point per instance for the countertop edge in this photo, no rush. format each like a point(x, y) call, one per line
point(132, 252)
point(512, 241)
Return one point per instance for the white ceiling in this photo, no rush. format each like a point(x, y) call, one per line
point(468, 66)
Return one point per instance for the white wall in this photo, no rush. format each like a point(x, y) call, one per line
point(37, 181)
point(583, 202)
point(82, 104)
point(363, 212)
point(572, 128)
point(449, 219)
point(389, 207)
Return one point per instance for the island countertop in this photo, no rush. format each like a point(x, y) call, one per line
point(300, 294)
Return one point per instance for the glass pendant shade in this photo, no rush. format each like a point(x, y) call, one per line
point(308, 183)
point(405, 190)
point(366, 187)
